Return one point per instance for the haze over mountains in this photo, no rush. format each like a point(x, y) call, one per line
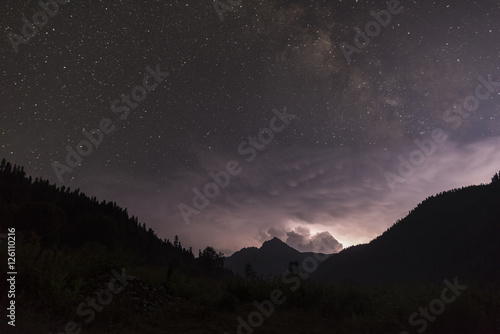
point(454, 233)
point(272, 258)
point(71, 242)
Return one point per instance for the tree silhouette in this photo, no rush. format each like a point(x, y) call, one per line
point(496, 178)
point(210, 260)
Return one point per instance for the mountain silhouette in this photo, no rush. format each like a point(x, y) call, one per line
point(71, 245)
point(455, 233)
point(272, 258)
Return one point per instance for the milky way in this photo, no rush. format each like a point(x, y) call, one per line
point(95, 71)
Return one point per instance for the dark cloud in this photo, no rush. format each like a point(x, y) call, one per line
point(294, 190)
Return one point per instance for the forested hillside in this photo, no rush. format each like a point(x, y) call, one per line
point(454, 233)
point(65, 218)
point(70, 246)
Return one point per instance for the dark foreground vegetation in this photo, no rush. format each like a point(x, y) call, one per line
point(70, 247)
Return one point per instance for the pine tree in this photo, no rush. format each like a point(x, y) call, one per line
point(495, 178)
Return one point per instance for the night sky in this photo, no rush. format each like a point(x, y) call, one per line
point(324, 139)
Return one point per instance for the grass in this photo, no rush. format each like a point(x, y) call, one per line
point(52, 283)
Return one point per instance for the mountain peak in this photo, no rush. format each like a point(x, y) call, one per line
point(273, 257)
point(275, 239)
point(274, 242)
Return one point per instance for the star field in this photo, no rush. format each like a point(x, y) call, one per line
point(225, 78)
